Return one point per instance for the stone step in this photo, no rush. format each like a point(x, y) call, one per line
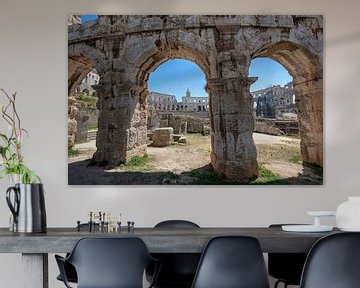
point(91, 135)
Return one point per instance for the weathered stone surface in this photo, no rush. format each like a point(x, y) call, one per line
point(267, 127)
point(182, 140)
point(126, 49)
point(206, 130)
point(72, 124)
point(150, 135)
point(82, 126)
point(176, 137)
point(162, 137)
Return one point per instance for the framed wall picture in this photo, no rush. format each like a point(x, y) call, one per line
point(195, 99)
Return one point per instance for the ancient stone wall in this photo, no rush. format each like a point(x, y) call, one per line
point(85, 118)
point(276, 127)
point(126, 49)
point(181, 122)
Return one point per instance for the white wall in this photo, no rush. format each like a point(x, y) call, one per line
point(33, 62)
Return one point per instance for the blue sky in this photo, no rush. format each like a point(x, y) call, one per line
point(86, 18)
point(269, 72)
point(176, 76)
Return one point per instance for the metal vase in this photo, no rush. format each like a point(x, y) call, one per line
point(27, 204)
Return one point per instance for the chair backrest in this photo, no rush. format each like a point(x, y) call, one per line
point(110, 262)
point(333, 262)
point(178, 269)
point(286, 266)
point(176, 224)
point(232, 262)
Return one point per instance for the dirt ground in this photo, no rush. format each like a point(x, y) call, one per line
point(176, 164)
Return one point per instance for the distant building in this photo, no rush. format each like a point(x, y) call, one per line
point(191, 103)
point(275, 102)
point(161, 102)
point(166, 102)
point(92, 78)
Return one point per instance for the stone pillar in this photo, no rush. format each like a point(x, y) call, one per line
point(122, 123)
point(72, 123)
point(309, 101)
point(137, 132)
point(232, 123)
point(114, 119)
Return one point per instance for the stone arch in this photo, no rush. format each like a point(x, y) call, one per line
point(153, 58)
point(306, 70)
point(140, 67)
point(81, 60)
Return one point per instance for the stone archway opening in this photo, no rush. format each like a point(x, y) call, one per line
point(176, 90)
point(78, 67)
point(306, 70)
point(83, 112)
point(276, 132)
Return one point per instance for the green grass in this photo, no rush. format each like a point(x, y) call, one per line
point(296, 159)
point(280, 152)
point(267, 177)
point(92, 127)
point(138, 161)
point(137, 164)
point(73, 152)
point(86, 101)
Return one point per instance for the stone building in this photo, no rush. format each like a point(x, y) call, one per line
point(191, 103)
point(275, 102)
point(166, 102)
point(92, 78)
point(161, 102)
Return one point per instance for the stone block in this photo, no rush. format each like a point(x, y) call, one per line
point(163, 137)
point(176, 137)
point(206, 130)
point(182, 140)
point(150, 135)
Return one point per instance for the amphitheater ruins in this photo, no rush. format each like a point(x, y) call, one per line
point(126, 49)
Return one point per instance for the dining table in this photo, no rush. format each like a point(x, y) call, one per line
point(35, 247)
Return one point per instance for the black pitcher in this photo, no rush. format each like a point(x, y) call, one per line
point(28, 208)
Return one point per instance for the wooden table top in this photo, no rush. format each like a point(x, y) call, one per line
point(158, 240)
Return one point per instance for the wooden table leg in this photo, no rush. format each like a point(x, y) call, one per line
point(35, 270)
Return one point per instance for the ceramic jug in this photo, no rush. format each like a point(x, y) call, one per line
point(27, 207)
point(348, 215)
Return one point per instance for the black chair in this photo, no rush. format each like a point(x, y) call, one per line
point(108, 263)
point(286, 267)
point(333, 262)
point(178, 269)
point(232, 262)
point(69, 269)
